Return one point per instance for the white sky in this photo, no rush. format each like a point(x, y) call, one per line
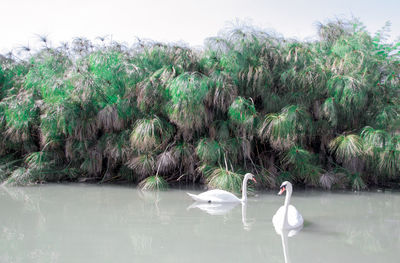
point(187, 21)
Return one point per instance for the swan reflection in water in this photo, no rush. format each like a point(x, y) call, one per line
point(285, 233)
point(219, 209)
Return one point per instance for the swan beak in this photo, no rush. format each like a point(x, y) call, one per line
point(282, 190)
point(254, 179)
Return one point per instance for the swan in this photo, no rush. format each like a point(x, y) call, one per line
point(221, 196)
point(287, 216)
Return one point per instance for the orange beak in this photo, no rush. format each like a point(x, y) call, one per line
point(282, 190)
point(254, 179)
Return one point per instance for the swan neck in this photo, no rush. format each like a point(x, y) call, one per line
point(287, 197)
point(244, 190)
point(286, 205)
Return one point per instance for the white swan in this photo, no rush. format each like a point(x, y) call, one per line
point(221, 196)
point(287, 216)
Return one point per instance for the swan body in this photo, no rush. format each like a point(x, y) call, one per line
point(294, 217)
point(287, 216)
point(222, 196)
point(215, 196)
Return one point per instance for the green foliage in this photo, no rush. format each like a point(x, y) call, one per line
point(383, 150)
point(242, 113)
point(356, 182)
point(224, 179)
point(184, 153)
point(20, 114)
point(283, 176)
point(251, 101)
point(166, 162)
point(186, 107)
point(151, 92)
point(222, 91)
point(153, 183)
point(302, 165)
point(149, 134)
point(127, 174)
point(345, 147)
point(144, 165)
point(329, 111)
point(20, 176)
point(115, 146)
point(7, 165)
point(283, 130)
point(209, 151)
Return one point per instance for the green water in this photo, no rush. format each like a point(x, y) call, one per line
point(89, 223)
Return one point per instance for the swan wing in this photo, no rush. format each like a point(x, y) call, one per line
point(219, 196)
point(205, 198)
point(195, 197)
point(277, 219)
point(295, 219)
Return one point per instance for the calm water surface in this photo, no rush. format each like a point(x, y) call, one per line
point(88, 223)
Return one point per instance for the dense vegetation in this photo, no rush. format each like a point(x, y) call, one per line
point(321, 113)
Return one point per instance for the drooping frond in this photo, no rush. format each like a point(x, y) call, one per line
point(166, 162)
point(153, 183)
point(186, 107)
point(301, 163)
point(209, 151)
point(20, 177)
point(329, 111)
point(283, 130)
point(327, 180)
point(93, 162)
point(350, 92)
point(144, 165)
point(242, 113)
point(345, 147)
point(116, 146)
point(374, 139)
point(224, 179)
point(150, 133)
point(185, 155)
point(388, 116)
point(109, 120)
point(151, 93)
point(357, 182)
point(222, 91)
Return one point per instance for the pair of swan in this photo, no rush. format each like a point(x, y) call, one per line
point(287, 216)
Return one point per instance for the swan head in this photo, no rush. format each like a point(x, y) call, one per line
point(250, 176)
point(285, 186)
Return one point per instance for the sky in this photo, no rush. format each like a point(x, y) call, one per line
point(187, 21)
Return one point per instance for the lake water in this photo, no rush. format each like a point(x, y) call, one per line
point(90, 223)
